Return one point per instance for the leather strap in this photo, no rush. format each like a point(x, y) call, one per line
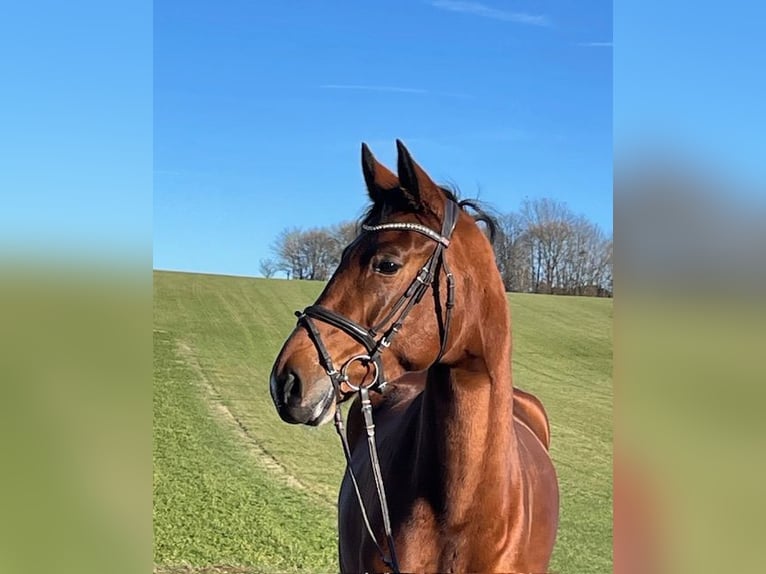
point(435, 264)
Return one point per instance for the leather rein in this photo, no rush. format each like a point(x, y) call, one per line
point(374, 340)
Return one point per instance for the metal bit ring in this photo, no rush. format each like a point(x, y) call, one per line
point(363, 359)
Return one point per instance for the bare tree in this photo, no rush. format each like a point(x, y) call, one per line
point(344, 233)
point(268, 267)
point(509, 252)
point(308, 254)
point(578, 255)
point(544, 248)
point(549, 226)
point(318, 254)
point(601, 276)
point(287, 249)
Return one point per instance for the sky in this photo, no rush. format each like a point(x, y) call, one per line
point(260, 109)
point(76, 131)
point(208, 127)
point(688, 84)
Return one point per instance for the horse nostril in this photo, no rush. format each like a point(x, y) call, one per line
point(291, 389)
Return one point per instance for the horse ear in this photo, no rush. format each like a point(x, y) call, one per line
point(378, 177)
point(416, 183)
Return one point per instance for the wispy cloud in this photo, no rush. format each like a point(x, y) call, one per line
point(373, 88)
point(478, 9)
point(595, 44)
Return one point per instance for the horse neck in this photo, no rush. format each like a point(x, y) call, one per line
point(467, 418)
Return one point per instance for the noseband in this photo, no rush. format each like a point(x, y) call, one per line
point(374, 340)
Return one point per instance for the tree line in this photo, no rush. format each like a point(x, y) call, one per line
point(544, 247)
point(308, 254)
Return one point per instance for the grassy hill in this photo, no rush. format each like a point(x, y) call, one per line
point(238, 490)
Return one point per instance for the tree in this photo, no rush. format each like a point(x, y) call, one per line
point(318, 254)
point(509, 253)
point(287, 249)
point(268, 267)
point(549, 229)
point(311, 254)
point(343, 234)
point(544, 248)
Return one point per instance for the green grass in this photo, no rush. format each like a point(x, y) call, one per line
point(235, 486)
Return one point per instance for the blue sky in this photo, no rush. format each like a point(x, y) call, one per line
point(689, 83)
point(248, 141)
point(76, 130)
point(260, 108)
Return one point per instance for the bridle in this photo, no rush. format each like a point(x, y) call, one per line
point(377, 338)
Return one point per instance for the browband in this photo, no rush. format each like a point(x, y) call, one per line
point(427, 231)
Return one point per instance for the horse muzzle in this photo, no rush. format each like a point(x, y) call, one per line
point(300, 403)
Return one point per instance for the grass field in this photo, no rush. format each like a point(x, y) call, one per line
point(238, 490)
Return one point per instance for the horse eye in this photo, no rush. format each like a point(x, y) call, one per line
point(387, 267)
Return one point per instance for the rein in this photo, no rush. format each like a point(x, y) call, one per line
point(374, 346)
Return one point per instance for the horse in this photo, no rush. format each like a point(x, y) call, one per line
point(417, 310)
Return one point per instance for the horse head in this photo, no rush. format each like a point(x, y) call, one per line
point(420, 266)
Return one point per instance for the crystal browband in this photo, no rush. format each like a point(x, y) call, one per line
point(430, 233)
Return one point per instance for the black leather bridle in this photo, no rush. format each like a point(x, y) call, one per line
point(377, 338)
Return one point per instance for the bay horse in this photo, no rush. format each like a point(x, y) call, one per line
point(469, 483)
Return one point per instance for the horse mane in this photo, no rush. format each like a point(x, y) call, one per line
point(479, 211)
